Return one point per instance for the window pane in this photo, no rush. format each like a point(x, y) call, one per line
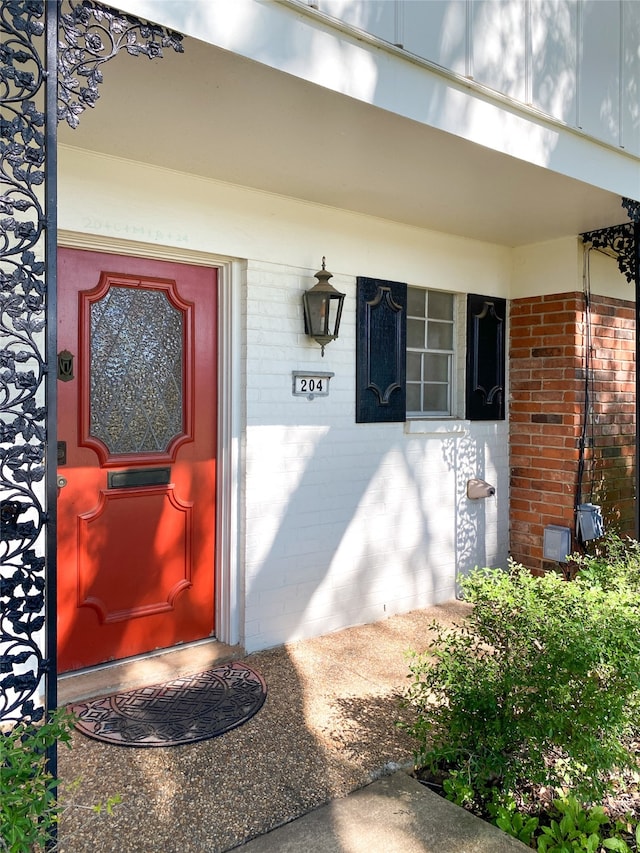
point(413, 398)
point(414, 365)
point(440, 336)
point(136, 394)
point(415, 333)
point(430, 351)
point(415, 302)
point(436, 398)
point(436, 367)
point(440, 305)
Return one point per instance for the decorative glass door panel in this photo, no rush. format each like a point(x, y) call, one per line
point(136, 516)
point(136, 393)
point(137, 381)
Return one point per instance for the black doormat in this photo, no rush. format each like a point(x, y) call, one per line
point(185, 710)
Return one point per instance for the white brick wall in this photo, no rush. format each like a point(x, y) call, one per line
point(339, 523)
point(348, 523)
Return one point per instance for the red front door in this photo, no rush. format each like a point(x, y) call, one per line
point(136, 455)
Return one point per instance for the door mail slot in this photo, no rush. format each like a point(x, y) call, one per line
point(135, 477)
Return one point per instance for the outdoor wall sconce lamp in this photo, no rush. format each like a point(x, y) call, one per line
point(322, 309)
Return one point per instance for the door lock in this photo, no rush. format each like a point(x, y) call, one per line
point(62, 482)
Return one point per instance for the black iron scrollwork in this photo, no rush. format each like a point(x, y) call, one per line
point(619, 240)
point(92, 34)
point(633, 209)
point(22, 362)
point(88, 35)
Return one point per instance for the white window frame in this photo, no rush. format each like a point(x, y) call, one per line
point(456, 362)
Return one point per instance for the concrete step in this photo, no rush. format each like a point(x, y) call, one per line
point(395, 814)
point(152, 668)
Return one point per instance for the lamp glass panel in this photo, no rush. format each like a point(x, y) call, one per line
point(334, 304)
point(318, 314)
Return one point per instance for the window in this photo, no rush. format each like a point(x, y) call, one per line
point(411, 348)
point(430, 352)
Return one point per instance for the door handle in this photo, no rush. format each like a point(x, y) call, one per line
point(62, 482)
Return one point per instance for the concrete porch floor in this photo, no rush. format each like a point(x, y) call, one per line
point(285, 780)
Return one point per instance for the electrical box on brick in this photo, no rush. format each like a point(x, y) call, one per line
point(557, 543)
point(589, 523)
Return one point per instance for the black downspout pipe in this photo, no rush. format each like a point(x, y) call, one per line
point(623, 243)
point(636, 258)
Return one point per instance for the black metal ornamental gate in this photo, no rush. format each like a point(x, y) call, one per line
point(51, 55)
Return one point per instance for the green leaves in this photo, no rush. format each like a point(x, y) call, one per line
point(520, 826)
point(29, 804)
point(569, 828)
point(580, 830)
point(615, 844)
point(28, 807)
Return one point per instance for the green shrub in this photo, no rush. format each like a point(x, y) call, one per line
point(28, 806)
point(537, 687)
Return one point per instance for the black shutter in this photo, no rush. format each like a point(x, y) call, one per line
point(486, 324)
point(381, 339)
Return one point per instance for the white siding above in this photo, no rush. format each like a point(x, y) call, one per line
point(575, 60)
point(287, 99)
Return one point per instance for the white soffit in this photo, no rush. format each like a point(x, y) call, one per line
point(224, 116)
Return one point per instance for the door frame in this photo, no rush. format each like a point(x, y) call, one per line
point(227, 581)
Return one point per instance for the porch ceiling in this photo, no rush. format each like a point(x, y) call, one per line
point(215, 114)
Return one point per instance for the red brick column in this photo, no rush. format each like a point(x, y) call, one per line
point(614, 393)
point(547, 398)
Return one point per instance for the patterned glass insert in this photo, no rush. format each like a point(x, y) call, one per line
point(136, 370)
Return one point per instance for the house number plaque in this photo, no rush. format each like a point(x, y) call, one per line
point(311, 385)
